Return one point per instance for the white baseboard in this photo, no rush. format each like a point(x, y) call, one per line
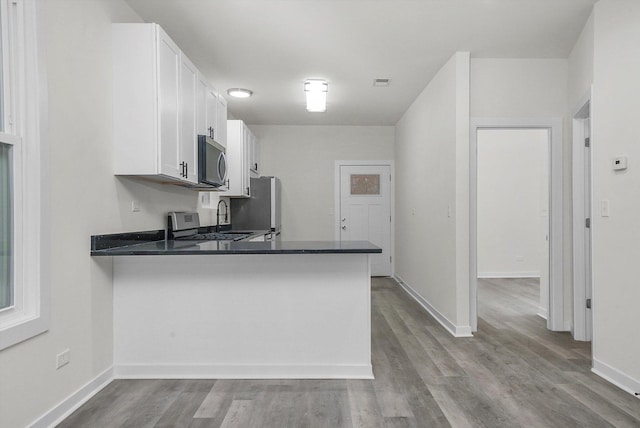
point(542, 312)
point(455, 330)
point(70, 404)
point(524, 274)
point(616, 377)
point(243, 371)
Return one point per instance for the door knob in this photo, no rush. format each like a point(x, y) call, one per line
point(344, 227)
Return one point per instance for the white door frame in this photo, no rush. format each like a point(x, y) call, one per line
point(336, 205)
point(580, 327)
point(555, 317)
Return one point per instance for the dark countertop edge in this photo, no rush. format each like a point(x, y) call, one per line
point(127, 239)
point(137, 244)
point(133, 252)
point(119, 240)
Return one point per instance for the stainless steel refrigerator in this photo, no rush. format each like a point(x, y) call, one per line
point(261, 211)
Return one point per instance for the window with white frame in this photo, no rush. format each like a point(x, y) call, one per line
point(24, 308)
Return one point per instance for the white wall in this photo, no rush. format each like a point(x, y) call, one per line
point(86, 199)
point(530, 88)
point(303, 158)
point(616, 249)
point(431, 138)
point(513, 200)
point(581, 66)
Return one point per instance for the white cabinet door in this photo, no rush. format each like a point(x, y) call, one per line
point(168, 104)
point(221, 114)
point(188, 136)
point(207, 109)
point(213, 130)
point(237, 160)
point(253, 156)
point(201, 105)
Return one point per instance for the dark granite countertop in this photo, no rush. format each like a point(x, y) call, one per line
point(153, 243)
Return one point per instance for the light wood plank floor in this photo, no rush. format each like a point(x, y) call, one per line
point(513, 373)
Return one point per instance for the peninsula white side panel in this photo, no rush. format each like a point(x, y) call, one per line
point(242, 316)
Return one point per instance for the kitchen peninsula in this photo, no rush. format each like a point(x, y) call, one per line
point(239, 309)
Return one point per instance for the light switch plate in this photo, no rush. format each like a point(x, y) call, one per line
point(604, 208)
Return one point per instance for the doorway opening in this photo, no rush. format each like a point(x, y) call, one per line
point(547, 226)
point(513, 223)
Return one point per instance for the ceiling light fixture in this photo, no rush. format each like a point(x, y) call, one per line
point(316, 92)
point(239, 92)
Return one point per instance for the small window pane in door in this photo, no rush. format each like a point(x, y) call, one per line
point(365, 184)
point(6, 228)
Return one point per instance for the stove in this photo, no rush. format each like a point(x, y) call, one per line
point(183, 226)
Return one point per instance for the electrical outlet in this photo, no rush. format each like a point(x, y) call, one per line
point(63, 358)
point(135, 206)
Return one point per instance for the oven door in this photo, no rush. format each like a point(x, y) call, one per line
point(212, 162)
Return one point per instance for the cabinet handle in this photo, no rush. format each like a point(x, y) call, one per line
point(211, 133)
point(248, 191)
point(255, 166)
point(181, 169)
point(186, 170)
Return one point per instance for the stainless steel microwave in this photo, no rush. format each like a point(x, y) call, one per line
point(212, 162)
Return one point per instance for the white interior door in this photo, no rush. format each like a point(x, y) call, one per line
point(365, 210)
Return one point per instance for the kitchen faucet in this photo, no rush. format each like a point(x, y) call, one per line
point(226, 214)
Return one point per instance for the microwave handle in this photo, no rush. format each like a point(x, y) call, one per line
point(222, 159)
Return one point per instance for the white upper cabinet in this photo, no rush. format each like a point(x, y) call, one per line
point(208, 112)
point(213, 128)
point(168, 88)
point(239, 139)
point(155, 97)
point(254, 157)
point(201, 106)
point(188, 137)
point(221, 120)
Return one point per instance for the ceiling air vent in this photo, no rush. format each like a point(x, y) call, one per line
point(381, 82)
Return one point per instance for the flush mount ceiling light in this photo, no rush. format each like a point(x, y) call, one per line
point(316, 92)
point(239, 92)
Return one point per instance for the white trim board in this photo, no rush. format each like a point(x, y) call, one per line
point(244, 371)
point(542, 312)
point(555, 321)
point(582, 322)
point(501, 275)
point(616, 377)
point(70, 404)
point(455, 330)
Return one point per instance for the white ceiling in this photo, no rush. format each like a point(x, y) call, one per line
point(272, 46)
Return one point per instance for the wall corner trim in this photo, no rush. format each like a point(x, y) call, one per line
point(455, 330)
point(59, 412)
point(616, 377)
